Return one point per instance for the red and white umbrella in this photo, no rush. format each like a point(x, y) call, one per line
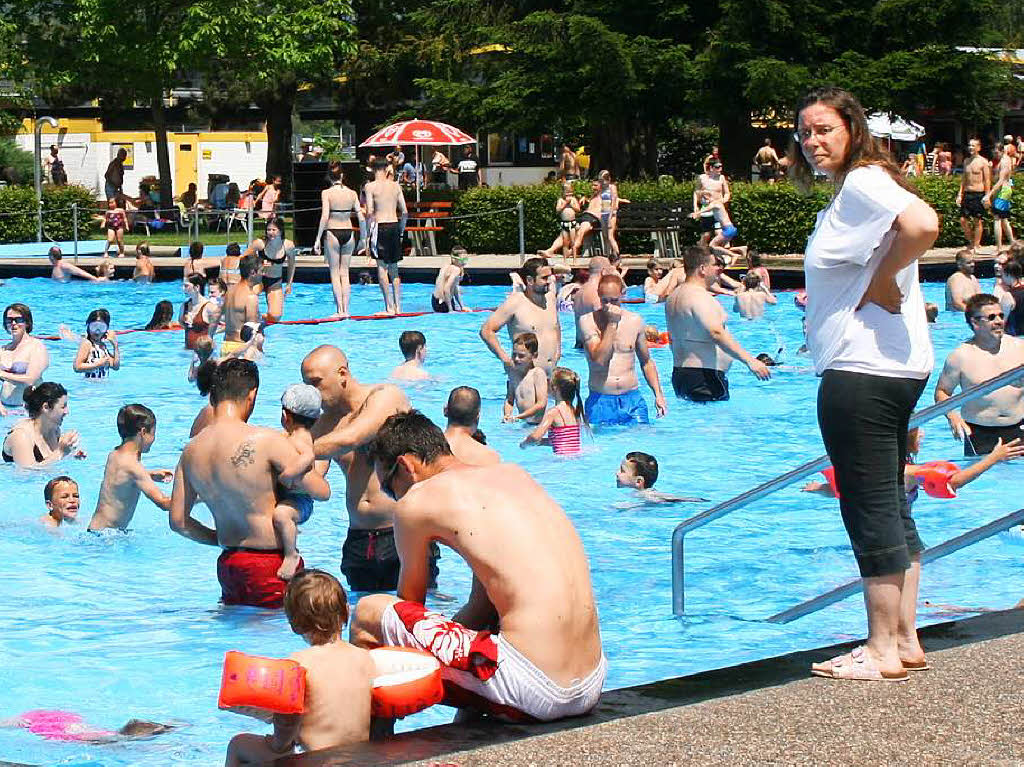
point(419, 133)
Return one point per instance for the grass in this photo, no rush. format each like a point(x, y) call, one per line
point(182, 236)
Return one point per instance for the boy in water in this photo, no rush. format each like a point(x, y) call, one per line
point(413, 345)
point(640, 471)
point(124, 476)
point(62, 502)
point(527, 386)
point(300, 408)
point(339, 678)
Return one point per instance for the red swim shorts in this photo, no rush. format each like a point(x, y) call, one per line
point(249, 577)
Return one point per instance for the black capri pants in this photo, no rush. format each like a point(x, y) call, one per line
point(863, 420)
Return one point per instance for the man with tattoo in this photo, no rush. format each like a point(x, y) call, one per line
point(352, 414)
point(234, 468)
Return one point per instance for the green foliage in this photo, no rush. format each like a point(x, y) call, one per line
point(13, 156)
point(18, 212)
point(774, 218)
point(683, 147)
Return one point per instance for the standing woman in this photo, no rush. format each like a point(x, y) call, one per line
point(94, 357)
point(335, 238)
point(266, 201)
point(273, 250)
point(24, 359)
point(867, 333)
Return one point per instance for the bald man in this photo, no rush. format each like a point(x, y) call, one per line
point(463, 430)
point(352, 414)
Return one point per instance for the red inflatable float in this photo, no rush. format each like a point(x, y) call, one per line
point(252, 685)
point(407, 681)
point(935, 478)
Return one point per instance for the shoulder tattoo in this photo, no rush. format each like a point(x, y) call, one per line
point(245, 455)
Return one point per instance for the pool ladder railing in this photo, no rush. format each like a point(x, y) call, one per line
point(811, 467)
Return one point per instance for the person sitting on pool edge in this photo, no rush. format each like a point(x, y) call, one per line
point(531, 578)
point(339, 678)
point(639, 471)
point(63, 272)
point(62, 501)
point(413, 346)
point(124, 476)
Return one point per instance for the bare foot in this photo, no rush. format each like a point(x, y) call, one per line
point(288, 567)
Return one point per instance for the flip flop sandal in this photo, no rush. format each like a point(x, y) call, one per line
point(916, 665)
point(856, 666)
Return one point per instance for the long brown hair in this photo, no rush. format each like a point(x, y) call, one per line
point(864, 149)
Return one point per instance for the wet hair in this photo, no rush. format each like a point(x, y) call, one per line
point(410, 342)
point(409, 433)
point(204, 375)
point(566, 384)
point(233, 379)
point(51, 486)
point(316, 605)
point(199, 281)
point(646, 467)
point(931, 312)
point(46, 393)
point(277, 221)
point(751, 280)
point(531, 266)
point(334, 171)
point(55, 253)
point(248, 266)
point(694, 257)
point(463, 407)
point(195, 249)
point(975, 302)
point(97, 315)
point(246, 333)
point(767, 359)
point(528, 341)
point(233, 249)
point(163, 312)
point(864, 149)
point(479, 436)
point(132, 419)
point(142, 248)
point(24, 311)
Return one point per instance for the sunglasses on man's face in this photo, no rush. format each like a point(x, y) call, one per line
point(989, 317)
point(8, 321)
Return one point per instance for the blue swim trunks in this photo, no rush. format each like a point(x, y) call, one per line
point(300, 501)
point(616, 409)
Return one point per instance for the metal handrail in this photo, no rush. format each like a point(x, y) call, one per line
point(805, 470)
point(928, 555)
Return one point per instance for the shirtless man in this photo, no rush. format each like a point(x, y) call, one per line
point(463, 429)
point(990, 352)
point(962, 284)
point(124, 476)
point(975, 184)
point(234, 468)
point(352, 413)
point(63, 272)
point(702, 348)
point(533, 311)
point(585, 300)
point(612, 337)
point(712, 187)
point(385, 203)
point(241, 305)
point(751, 297)
point(1000, 197)
point(530, 576)
point(767, 162)
point(568, 165)
point(447, 295)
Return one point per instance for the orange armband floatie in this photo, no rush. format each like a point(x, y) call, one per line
point(407, 681)
point(935, 478)
point(265, 684)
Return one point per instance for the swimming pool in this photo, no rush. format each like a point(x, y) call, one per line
point(128, 625)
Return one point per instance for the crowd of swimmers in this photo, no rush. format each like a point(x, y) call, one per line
point(531, 648)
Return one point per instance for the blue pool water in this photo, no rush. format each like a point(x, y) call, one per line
point(127, 625)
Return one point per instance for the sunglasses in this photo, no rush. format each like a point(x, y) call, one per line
point(8, 321)
point(989, 317)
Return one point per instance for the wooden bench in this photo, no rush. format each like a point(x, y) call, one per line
point(422, 223)
point(662, 220)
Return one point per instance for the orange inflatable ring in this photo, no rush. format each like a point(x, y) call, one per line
point(829, 472)
point(407, 681)
point(935, 477)
point(251, 685)
point(663, 339)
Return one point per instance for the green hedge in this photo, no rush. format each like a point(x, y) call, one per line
point(774, 218)
point(18, 213)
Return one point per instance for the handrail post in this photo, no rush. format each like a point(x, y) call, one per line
point(74, 224)
point(678, 573)
point(249, 224)
point(39, 220)
point(521, 210)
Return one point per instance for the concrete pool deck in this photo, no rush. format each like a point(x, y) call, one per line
point(966, 710)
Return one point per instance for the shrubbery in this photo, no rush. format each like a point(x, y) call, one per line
point(18, 213)
point(774, 218)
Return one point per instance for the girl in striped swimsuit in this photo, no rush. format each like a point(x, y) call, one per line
point(562, 425)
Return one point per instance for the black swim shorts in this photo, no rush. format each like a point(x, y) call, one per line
point(700, 384)
point(369, 560)
point(389, 243)
point(983, 438)
point(707, 223)
point(587, 217)
point(972, 205)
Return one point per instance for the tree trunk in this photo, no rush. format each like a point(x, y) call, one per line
point(737, 144)
point(278, 108)
point(628, 148)
point(163, 157)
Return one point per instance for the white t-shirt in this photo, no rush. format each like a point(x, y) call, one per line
point(467, 166)
point(852, 236)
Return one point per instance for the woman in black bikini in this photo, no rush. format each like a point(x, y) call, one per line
point(37, 440)
point(336, 238)
point(273, 251)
